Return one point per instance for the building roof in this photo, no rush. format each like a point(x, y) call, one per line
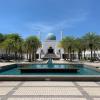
point(51, 36)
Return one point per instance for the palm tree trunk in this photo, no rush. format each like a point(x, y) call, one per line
point(91, 53)
point(9, 51)
point(33, 55)
point(79, 54)
point(84, 54)
point(6, 51)
point(67, 54)
point(29, 56)
point(21, 55)
point(70, 49)
point(15, 55)
point(91, 49)
point(94, 54)
point(73, 55)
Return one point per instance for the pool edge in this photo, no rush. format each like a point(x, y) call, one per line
point(49, 78)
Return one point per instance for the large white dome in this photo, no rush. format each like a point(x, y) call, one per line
point(51, 36)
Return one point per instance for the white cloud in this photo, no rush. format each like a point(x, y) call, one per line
point(41, 27)
point(64, 24)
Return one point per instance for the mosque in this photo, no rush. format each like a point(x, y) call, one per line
point(50, 48)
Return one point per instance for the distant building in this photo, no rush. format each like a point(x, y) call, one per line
point(50, 46)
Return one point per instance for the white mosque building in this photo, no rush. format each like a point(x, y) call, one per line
point(50, 47)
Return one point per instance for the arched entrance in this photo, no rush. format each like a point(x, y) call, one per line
point(50, 50)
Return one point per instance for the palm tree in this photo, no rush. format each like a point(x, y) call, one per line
point(67, 44)
point(92, 42)
point(32, 44)
point(84, 47)
point(21, 48)
point(1, 40)
point(79, 47)
point(12, 43)
point(7, 45)
point(26, 48)
point(2, 37)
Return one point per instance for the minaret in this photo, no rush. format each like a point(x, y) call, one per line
point(39, 35)
point(61, 50)
point(61, 35)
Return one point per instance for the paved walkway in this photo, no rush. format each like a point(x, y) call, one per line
point(5, 64)
point(46, 90)
point(10, 63)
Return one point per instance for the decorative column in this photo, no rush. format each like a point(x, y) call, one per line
point(40, 48)
point(61, 50)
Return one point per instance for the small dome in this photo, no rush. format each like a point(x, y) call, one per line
point(51, 36)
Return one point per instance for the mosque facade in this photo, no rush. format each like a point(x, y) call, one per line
point(50, 46)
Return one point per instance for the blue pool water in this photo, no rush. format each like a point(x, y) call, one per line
point(14, 70)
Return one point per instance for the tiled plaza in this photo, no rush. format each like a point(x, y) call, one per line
point(49, 90)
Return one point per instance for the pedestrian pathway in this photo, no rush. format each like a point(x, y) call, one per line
point(46, 90)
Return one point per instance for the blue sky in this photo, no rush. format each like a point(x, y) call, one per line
point(28, 17)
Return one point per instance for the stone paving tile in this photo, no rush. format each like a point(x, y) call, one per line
point(96, 99)
point(5, 64)
point(12, 83)
point(93, 91)
point(48, 84)
point(87, 84)
point(47, 91)
point(99, 82)
point(46, 99)
point(5, 90)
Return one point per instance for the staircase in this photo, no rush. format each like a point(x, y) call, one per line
point(53, 56)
